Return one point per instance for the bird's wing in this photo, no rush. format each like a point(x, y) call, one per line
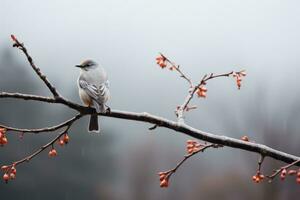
point(94, 91)
point(90, 89)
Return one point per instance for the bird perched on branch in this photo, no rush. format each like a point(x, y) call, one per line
point(93, 90)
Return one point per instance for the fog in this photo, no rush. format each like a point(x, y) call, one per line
point(124, 37)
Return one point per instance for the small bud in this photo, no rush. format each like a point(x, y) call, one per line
point(13, 37)
point(164, 183)
point(292, 172)
point(4, 167)
point(245, 138)
point(283, 174)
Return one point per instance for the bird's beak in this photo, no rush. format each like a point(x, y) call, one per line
point(80, 66)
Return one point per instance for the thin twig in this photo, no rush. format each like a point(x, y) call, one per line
point(37, 70)
point(276, 172)
point(46, 129)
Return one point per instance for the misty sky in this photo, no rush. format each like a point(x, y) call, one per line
point(203, 36)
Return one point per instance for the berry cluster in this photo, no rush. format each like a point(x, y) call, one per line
point(10, 172)
point(238, 77)
point(201, 91)
point(193, 146)
point(61, 141)
point(291, 172)
point(3, 138)
point(164, 179)
point(258, 177)
point(64, 140)
point(161, 61)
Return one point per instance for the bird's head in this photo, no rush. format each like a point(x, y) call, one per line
point(87, 65)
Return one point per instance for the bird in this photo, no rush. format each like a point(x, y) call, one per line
point(93, 86)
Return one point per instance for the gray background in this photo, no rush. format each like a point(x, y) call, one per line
point(125, 37)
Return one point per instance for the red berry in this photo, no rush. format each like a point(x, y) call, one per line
point(14, 170)
point(61, 142)
point(66, 138)
point(5, 177)
point(12, 176)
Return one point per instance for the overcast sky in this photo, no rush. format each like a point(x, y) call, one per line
point(203, 36)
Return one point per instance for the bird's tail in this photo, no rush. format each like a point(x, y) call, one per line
point(93, 125)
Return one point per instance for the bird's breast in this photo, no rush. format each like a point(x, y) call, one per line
point(85, 98)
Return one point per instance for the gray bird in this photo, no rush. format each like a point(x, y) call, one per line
point(93, 90)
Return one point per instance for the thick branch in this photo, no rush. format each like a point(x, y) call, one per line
point(205, 136)
point(180, 127)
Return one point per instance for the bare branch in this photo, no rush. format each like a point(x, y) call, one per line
point(177, 68)
point(37, 70)
point(178, 126)
point(27, 97)
point(195, 149)
point(278, 171)
point(46, 129)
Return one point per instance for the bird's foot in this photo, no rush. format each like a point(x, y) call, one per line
point(107, 109)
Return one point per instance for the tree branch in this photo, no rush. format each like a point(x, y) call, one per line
point(178, 126)
point(37, 70)
point(46, 129)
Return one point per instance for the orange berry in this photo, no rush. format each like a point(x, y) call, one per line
point(201, 93)
point(66, 138)
point(14, 170)
point(52, 153)
point(61, 142)
point(261, 176)
point(190, 151)
point(298, 174)
point(283, 172)
point(190, 141)
point(203, 89)
point(12, 176)
point(162, 177)
point(164, 183)
point(5, 177)
point(254, 177)
point(3, 140)
point(257, 179)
